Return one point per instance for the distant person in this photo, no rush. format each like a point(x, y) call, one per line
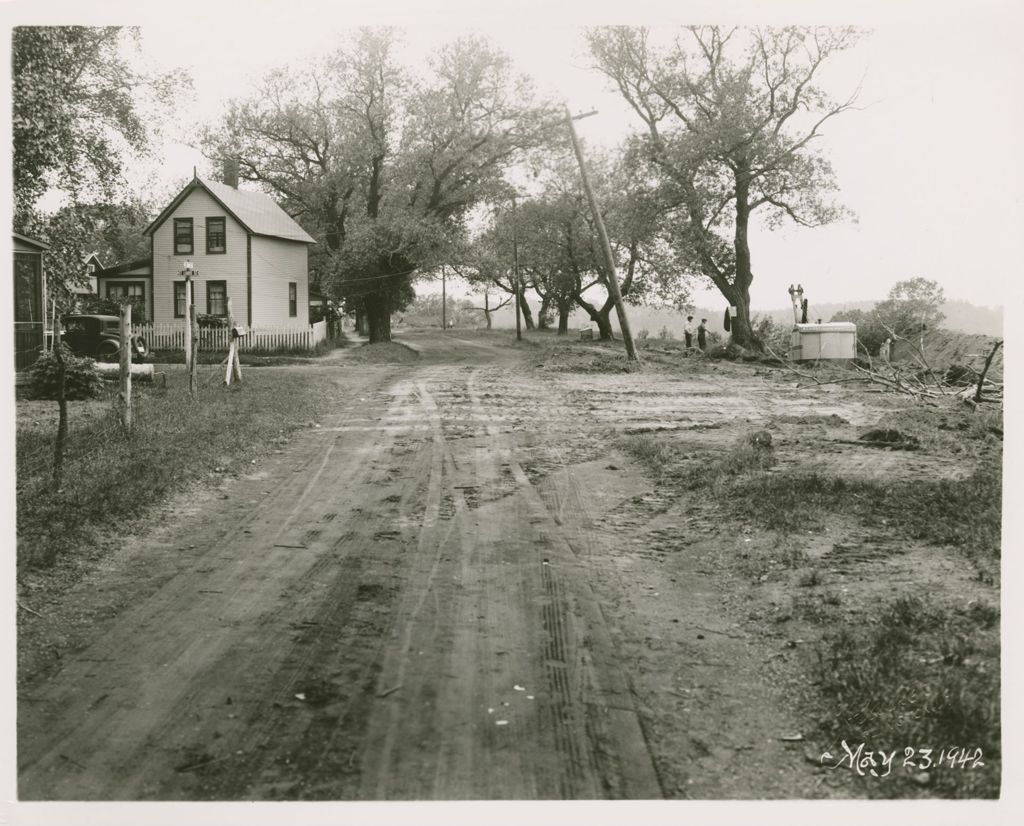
point(688, 331)
point(702, 334)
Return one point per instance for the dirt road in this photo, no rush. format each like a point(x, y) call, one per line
point(452, 587)
point(389, 609)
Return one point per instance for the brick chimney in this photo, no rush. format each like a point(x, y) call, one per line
point(231, 172)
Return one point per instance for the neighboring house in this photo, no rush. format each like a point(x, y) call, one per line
point(133, 281)
point(29, 300)
point(242, 246)
point(92, 266)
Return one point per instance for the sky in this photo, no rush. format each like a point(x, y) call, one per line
point(926, 163)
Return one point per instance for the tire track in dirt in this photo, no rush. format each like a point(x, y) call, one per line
point(124, 733)
point(521, 616)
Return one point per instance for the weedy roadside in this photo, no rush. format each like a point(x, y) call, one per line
point(889, 577)
point(111, 479)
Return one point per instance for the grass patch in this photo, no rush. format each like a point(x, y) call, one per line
point(657, 453)
point(386, 352)
point(665, 460)
point(919, 677)
point(964, 513)
point(110, 479)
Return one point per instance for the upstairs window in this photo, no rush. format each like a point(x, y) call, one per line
point(217, 298)
point(293, 299)
point(183, 236)
point(216, 242)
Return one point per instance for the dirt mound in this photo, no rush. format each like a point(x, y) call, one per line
point(892, 439)
point(387, 352)
point(945, 348)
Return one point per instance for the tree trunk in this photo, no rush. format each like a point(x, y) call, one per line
point(544, 315)
point(604, 324)
point(378, 318)
point(742, 334)
point(601, 317)
point(564, 308)
point(525, 309)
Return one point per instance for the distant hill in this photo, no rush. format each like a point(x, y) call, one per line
point(969, 318)
point(960, 315)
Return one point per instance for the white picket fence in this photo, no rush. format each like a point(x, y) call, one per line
point(171, 336)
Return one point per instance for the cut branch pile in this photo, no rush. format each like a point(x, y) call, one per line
point(892, 378)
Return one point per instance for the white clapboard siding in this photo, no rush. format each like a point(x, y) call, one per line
point(171, 336)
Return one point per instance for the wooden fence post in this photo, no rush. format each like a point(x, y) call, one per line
point(234, 364)
point(126, 366)
point(62, 406)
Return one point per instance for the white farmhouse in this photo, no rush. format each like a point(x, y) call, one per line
point(241, 244)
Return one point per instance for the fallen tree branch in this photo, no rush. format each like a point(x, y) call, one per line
point(984, 371)
point(30, 610)
point(920, 356)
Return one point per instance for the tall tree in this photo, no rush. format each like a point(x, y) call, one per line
point(78, 102)
point(76, 109)
point(379, 166)
point(731, 120)
point(561, 252)
point(912, 306)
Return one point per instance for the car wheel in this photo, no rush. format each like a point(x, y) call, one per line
point(109, 355)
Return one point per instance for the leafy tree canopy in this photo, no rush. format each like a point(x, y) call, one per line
point(81, 108)
point(731, 119)
point(76, 110)
point(380, 166)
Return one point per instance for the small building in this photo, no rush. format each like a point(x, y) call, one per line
point(823, 341)
point(29, 300)
point(132, 281)
point(242, 246)
point(93, 264)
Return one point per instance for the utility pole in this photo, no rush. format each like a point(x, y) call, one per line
point(444, 301)
point(515, 268)
point(606, 248)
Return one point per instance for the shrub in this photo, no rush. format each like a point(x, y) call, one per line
point(773, 335)
point(81, 381)
point(643, 334)
point(212, 321)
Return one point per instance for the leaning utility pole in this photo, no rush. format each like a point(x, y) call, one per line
point(515, 268)
point(613, 281)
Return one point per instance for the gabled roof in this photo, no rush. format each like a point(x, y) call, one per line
point(258, 213)
point(128, 266)
point(31, 241)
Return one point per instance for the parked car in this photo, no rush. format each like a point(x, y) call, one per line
point(98, 337)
